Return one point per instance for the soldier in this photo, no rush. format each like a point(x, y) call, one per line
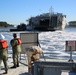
point(3, 52)
point(16, 49)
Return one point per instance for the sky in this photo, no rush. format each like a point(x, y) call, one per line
point(19, 11)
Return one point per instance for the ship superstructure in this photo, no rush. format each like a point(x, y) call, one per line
point(48, 22)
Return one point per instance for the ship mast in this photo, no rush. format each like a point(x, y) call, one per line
point(50, 14)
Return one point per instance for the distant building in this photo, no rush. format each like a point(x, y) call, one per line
point(72, 23)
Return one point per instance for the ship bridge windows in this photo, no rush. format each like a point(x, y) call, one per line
point(44, 22)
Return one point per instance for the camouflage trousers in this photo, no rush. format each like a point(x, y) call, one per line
point(5, 64)
point(16, 58)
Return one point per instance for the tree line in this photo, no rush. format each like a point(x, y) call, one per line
point(5, 24)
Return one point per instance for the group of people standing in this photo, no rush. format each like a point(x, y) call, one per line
point(16, 49)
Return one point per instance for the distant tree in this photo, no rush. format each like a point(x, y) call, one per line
point(5, 24)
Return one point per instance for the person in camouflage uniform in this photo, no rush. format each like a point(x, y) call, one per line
point(3, 56)
point(16, 49)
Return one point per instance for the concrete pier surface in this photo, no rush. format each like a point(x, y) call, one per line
point(23, 68)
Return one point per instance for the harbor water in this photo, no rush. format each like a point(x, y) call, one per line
point(51, 42)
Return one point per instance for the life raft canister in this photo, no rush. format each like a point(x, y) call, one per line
point(4, 43)
point(19, 41)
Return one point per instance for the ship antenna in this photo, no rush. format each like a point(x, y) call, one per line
point(50, 13)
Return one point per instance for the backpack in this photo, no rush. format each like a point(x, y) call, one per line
point(19, 41)
point(4, 43)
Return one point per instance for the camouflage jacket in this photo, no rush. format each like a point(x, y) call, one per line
point(16, 48)
point(3, 53)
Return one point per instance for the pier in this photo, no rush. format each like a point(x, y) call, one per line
point(53, 63)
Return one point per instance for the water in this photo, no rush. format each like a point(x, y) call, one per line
point(52, 43)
